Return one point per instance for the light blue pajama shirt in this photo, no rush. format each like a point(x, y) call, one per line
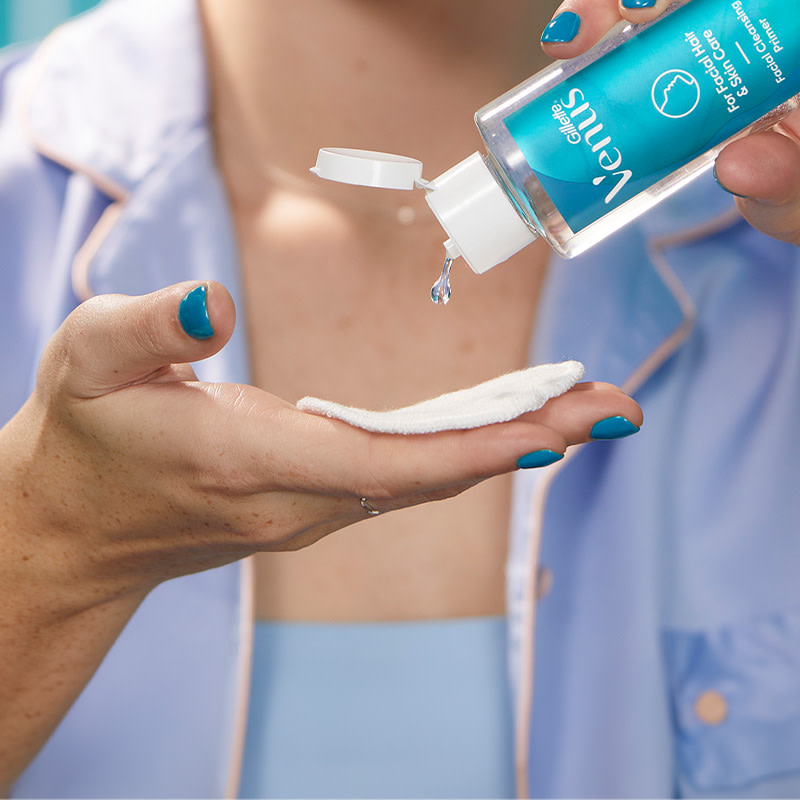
point(675, 554)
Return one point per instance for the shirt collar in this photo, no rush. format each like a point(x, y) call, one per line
point(629, 292)
point(120, 95)
point(111, 91)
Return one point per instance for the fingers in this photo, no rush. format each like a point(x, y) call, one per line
point(579, 24)
point(389, 469)
point(409, 465)
point(763, 170)
point(112, 341)
point(577, 413)
point(640, 11)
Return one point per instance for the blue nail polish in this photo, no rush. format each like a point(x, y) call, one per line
point(562, 28)
point(539, 458)
point(193, 314)
point(638, 3)
point(724, 187)
point(613, 428)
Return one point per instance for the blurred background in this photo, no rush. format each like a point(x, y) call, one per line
point(27, 20)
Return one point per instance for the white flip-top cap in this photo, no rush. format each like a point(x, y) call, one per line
point(479, 217)
point(477, 214)
point(367, 168)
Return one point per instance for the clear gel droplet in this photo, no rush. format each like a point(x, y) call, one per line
point(440, 291)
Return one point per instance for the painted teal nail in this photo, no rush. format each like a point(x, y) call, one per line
point(638, 3)
point(562, 28)
point(539, 458)
point(725, 188)
point(193, 314)
point(613, 428)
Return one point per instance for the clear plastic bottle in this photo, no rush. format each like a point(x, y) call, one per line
point(581, 149)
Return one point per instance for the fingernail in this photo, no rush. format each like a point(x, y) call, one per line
point(193, 314)
point(539, 458)
point(638, 3)
point(562, 28)
point(725, 188)
point(613, 428)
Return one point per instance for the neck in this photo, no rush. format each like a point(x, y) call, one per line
point(406, 76)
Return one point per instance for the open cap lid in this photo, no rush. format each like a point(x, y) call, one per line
point(367, 168)
point(481, 221)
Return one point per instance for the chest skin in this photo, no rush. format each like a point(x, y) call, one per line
point(342, 311)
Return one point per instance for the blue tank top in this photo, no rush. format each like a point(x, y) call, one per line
point(412, 710)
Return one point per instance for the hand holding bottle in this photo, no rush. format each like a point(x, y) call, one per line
point(762, 170)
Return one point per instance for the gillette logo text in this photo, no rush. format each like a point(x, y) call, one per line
point(578, 122)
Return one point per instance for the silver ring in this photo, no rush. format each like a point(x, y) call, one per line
point(369, 508)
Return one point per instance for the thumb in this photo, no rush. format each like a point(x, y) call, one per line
point(112, 341)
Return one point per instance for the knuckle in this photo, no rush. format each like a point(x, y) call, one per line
point(55, 367)
point(66, 352)
point(79, 330)
point(72, 351)
point(224, 462)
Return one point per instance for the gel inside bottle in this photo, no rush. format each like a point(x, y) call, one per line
point(586, 146)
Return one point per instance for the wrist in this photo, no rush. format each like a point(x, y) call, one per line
point(45, 544)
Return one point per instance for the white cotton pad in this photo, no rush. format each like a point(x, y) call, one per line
point(498, 400)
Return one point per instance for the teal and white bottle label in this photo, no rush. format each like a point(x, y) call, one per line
point(658, 101)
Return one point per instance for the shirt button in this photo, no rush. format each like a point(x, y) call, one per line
point(544, 582)
point(711, 707)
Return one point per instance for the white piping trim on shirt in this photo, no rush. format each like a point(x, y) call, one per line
point(83, 258)
point(246, 626)
point(82, 261)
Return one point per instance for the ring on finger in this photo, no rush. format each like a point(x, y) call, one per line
point(369, 508)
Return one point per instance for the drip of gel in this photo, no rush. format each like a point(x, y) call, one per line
point(441, 291)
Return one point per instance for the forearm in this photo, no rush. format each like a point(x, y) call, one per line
point(45, 661)
point(52, 637)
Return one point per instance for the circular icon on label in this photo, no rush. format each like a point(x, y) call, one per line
point(676, 93)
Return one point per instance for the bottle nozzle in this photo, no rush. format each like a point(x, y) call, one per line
point(452, 249)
